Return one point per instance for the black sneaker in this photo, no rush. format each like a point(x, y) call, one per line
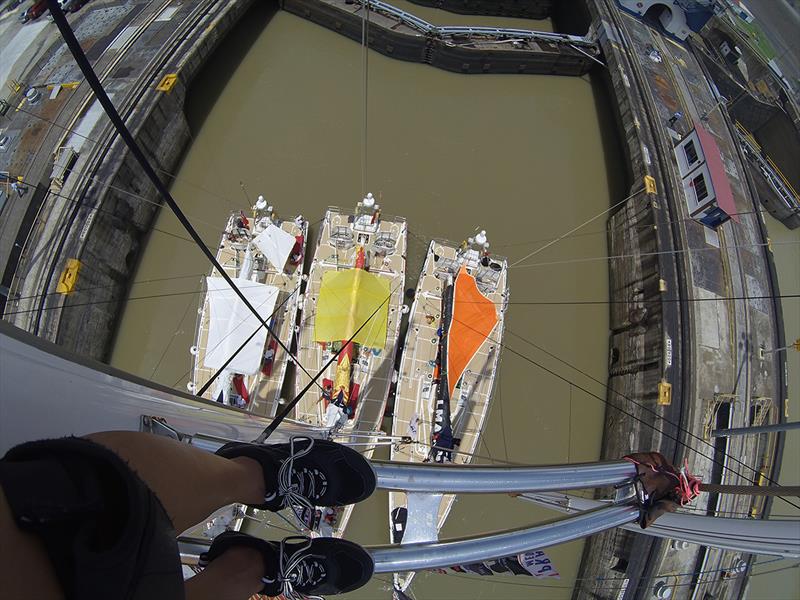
point(308, 473)
point(301, 565)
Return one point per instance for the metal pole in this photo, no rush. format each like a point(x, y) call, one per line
point(757, 536)
point(433, 555)
point(460, 551)
point(754, 430)
point(456, 479)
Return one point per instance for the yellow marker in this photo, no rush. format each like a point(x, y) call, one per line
point(796, 344)
point(649, 184)
point(662, 285)
point(70, 85)
point(69, 276)
point(664, 393)
point(167, 82)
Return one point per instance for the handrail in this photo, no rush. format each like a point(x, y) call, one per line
point(428, 29)
point(468, 550)
point(472, 549)
point(455, 479)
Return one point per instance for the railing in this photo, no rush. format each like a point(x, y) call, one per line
point(496, 33)
point(771, 172)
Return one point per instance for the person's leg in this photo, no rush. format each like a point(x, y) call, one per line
point(25, 569)
point(235, 575)
point(190, 483)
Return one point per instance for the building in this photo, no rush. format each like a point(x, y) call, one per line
point(678, 17)
point(705, 183)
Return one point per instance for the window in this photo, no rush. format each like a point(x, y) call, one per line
point(700, 189)
point(691, 153)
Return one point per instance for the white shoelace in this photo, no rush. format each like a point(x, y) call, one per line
point(295, 570)
point(290, 492)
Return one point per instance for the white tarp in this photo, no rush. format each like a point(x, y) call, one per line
point(230, 323)
point(275, 244)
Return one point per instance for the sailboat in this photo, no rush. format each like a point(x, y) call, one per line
point(447, 374)
point(354, 290)
point(264, 256)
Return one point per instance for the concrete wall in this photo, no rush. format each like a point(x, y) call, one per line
point(548, 59)
point(119, 229)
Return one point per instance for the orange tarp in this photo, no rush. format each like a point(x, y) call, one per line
point(474, 317)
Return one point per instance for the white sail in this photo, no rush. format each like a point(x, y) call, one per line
point(275, 244)
point(231, 323)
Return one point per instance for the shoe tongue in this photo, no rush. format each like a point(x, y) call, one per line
point(315, 572)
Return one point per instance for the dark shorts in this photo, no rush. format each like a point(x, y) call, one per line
point(106, 533)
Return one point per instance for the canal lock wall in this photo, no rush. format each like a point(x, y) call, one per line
point(392, 38)
point(645, 316)
point(112, 236)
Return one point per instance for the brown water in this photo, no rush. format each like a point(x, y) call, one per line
point(520, 156)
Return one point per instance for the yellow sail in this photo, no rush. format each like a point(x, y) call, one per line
point(347, 299)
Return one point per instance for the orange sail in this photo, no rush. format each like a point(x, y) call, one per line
point(474, 318)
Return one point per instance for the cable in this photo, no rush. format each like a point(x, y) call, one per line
point(97, 143)
point(95, 302)
point(574, 229)
point(211, 380)
point(661, 431)
point(114, 214)
point(629, 399)
point(631, 415)
point(133, 146)
point(644, 254)
point(619, 227)
point(103, 287)
point(171, 339)
point(281, 416)
point(365, 52)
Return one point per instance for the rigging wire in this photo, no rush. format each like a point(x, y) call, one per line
point(574, 229)
point(536, 303)
point(211, 380)
point(680, 428)
point(658, 253)
point(619, 227)
point(172, 338)
point(100, 93)
point(162, 171)
point(365, 66)
point(269, 430)
point(111, 285)
point(631, 415)
point(661, 431)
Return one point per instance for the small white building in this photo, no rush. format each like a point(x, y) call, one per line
point(706, 188)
